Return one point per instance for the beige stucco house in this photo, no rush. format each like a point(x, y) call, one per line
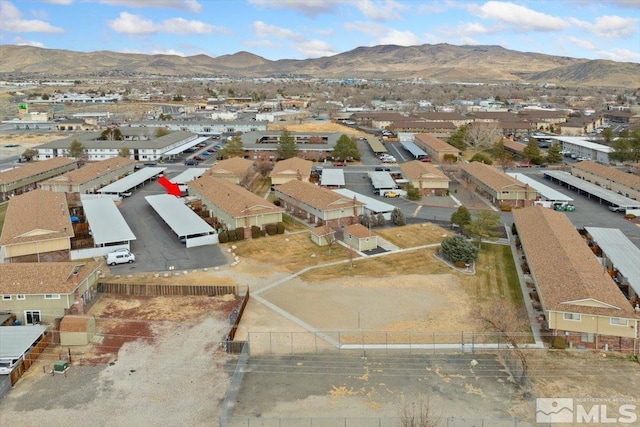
point(580, 300)
point(235, 169)
point(233, 205)
point(436, 148)
point(91, 177)
point(425, 177)
point(500, 188)
point(290, 169)
point(37, 227)
point(25, 178)
point(318, 205)
point(42, 292)
point(359, 237)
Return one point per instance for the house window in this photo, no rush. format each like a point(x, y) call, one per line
point(618, 321)
point(21, 297)
point(587, 337)
point(32, 317)
point(571, 316)
point(6, 297)
point(52, 296)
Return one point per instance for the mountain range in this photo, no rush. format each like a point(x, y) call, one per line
point(438, 63)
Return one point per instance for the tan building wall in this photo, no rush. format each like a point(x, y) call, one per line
point(361, 243)
point(594, 324)
point(39, 247)
point(633, 193)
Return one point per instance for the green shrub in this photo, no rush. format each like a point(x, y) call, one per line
point(232, 235)
point(255, 231)
point(240, 233)
point(263, 232)
point(280, 228)
point(413, 194)
point(223, 237)
point(271, 229)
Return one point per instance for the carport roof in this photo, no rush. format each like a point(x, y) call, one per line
point(593, 189)
point(381, 180)
point(16, 340)
point(130, 181)
point(106, 221)
point(621, 251)
point(188, 175)
point(182, 220)
point(183, 147)
point(372, 204)
point(544, 190)
point(332, 178)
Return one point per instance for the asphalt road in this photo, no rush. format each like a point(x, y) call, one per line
point(157, 247)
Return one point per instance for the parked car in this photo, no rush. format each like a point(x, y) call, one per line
point(198, 158)
point(211, 150)
point(426, 159)
point(391, 195)
point(120, 256)
point(191, 162)
point(617, 209)
point(205, 154)
point(341, 164)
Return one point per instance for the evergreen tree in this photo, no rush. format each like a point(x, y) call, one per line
point(554, 154)
point(233, 148)
point(287, 147)
point(459, 138)
point(457, 248)
point(76, 149)
point(397, 217)
point(532, 151)
point(346, 149)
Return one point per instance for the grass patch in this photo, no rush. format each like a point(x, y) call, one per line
point(288, 252)
point(292, 225)
point(3, 213)
point(410, 236)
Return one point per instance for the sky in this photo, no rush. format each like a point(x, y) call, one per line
point(301, 29)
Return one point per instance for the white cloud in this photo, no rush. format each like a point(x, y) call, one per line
point(369, 28)
point(381, 10)
point(474, 28)
point(167, 52)
point(265, 31)
point(520, 17)
point(11, 20)
point(188, 5)
point(128, 23)
point(23, 42)
point(620, 55)
point(311, 8)
point(400, 38)
point(315, 48)
point(607, 26)
point(581, 42)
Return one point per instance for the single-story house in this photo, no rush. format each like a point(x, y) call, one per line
point(436, 148)
point(579, 299)
point(37, 228)
point(318, 205)
point(42, 292)
point(323, 235)
point(499, 187)
point(581, 125)
point(425, 177)
point(359, 237)
point(77, 330)
point(289, 169)
point(25, 178)
point(91, 177)
point(234, 169)
point(233, 205)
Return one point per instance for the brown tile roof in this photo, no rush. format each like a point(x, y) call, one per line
point(610, 173)
point(513, 145)
point(91, 170)
point(417, 124)
point(232, 198)
point(378, 115)
point(542, 114)
point(504, 124)
point(291, 167)
point(36, 215)
point(495, 115)
point(316, 196)
point(415, 169)
point(234, 167)
point(434, 142)
point(438, 115)
point(74, 323)
point(33, 168)
point(491, 176)
point(43, 277)
point(323, 230)
point(358, 230)
point(565, 269)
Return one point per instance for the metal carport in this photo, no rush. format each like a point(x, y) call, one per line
point(623, 254)
point(371, 205)
point(183, 147)
point(593, 190)
point(332, 178)
point(131, 181)
point(182, 220)
point(544, 190)
point(108, 226)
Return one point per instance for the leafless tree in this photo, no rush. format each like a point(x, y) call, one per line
point(482, 136)
point(331, 239)
point(514, 329)
point(418, 413)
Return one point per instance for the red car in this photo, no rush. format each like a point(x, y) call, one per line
point(341, 164)
point(211, 150)
point(425, 159)
point(198, 158)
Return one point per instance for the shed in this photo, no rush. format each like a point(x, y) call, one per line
point(322, 235)
point(77, 330)
point(360, 237)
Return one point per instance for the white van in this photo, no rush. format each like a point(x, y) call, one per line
point(121, 256)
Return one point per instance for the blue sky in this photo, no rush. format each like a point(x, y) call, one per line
point(299, 29)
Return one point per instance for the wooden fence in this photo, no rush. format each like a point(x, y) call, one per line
point(235, 347)
point(150, 289)
point(30, 358)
